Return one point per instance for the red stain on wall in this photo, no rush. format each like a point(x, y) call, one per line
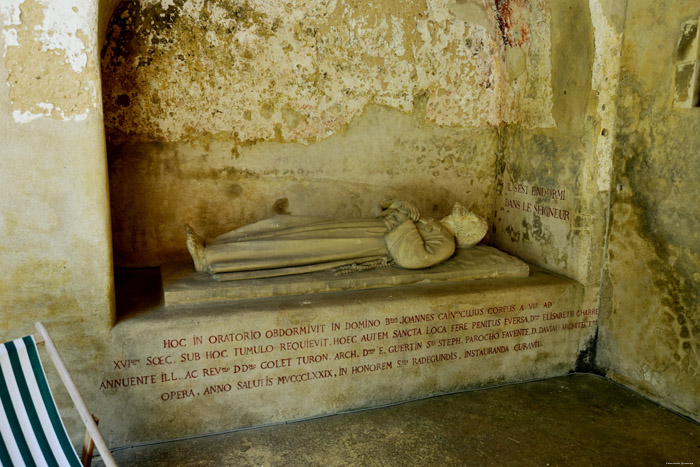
point(513, 33)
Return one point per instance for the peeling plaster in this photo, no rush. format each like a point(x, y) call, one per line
point(527, 96)
point(49, 55)
point(300, 71)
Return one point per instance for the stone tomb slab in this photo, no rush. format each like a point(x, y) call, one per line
point(184, 371)
point(183, 286)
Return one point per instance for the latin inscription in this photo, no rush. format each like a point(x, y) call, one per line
point(256, 359)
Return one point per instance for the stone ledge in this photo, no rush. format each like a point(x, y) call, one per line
point(229, 365)
point(183, 286)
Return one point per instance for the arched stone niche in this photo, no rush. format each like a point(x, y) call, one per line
point(430, 102)
point(219, 113)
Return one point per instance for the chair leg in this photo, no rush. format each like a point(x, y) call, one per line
point(88, 446)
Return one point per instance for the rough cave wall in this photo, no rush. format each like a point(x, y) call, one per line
point(649, 337)
point(221, 113)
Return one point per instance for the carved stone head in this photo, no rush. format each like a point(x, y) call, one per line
point(467, 227)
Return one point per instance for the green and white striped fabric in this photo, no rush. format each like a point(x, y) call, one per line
point(31, 430)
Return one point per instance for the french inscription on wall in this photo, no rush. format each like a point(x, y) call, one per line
point(261, 358)
point(540, 200)
point(538, 222)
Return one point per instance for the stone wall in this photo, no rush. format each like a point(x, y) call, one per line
point(55, 249)
point(554, 183)
point(649, 337)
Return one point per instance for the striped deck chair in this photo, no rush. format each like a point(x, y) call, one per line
point(31, 430)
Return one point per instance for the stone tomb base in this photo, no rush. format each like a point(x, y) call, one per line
point(189, 370)
point(182, 285)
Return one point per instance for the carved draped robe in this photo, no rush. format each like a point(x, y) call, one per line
point(285, 245)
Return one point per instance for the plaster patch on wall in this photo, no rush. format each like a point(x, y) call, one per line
point(527, 93)
point(10, 14)
point(299, 71)
point(49, 56)
point(604, 81)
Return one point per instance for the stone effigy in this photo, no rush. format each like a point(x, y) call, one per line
point(287, 244)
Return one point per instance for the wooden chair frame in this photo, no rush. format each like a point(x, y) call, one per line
point(93, 437)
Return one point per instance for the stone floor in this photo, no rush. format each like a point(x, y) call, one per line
point(578, 420)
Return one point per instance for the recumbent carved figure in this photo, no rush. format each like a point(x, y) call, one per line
point(288, 244)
